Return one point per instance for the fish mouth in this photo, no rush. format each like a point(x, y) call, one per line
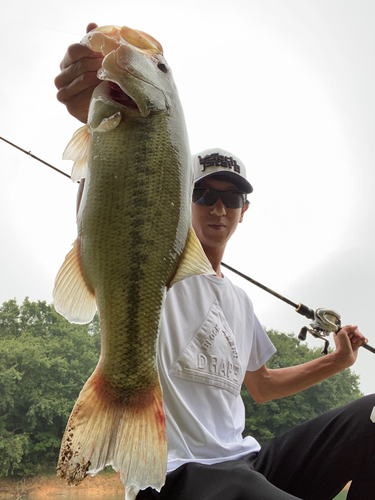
point(116, 94)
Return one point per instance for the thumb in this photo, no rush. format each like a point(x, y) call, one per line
point(90, 27)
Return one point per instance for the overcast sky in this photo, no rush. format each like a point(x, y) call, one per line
point(287, 85)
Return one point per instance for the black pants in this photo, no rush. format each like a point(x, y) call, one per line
point(312, 461)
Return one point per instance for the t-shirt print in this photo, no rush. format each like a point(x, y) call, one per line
point(211, 357)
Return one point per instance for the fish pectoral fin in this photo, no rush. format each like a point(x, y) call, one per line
point(71, 295)
point(104, 429)
point(77, 150)
point(78, 147)
point(193, 261)
point(79, 169)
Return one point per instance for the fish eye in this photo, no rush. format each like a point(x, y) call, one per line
point(162, 67)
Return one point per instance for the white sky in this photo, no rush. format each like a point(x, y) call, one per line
point(287, 85)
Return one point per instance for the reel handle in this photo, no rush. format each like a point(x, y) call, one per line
point(325, 322)
point(303, 333)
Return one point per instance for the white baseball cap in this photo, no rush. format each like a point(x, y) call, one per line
point(221, 163)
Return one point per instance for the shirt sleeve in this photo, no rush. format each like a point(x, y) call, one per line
point(262, 348)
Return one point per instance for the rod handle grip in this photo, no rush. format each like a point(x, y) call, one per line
point(305, 311)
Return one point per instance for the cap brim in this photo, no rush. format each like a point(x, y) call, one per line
point(242, 184)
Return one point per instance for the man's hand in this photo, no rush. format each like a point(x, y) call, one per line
point(78, 79)
point(348, 340)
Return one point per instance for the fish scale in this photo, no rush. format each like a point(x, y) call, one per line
point(134, 241)
point(131, 284)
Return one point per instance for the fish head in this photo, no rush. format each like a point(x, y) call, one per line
point(135, 67)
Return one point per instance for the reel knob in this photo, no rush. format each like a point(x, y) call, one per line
point(303, 333)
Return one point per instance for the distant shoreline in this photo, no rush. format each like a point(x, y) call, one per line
point(106, 484)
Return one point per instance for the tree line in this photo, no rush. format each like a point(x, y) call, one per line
point(45, 361)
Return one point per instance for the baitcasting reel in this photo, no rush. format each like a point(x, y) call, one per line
point(325, 322)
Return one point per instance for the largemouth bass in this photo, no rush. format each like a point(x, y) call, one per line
point(134, 241)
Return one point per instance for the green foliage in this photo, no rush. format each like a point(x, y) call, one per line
point(275, 417)
point(44, 363)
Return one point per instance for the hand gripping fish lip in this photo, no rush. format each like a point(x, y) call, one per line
point(133, 60)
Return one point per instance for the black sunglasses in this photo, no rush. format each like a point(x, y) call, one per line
point(208, 197)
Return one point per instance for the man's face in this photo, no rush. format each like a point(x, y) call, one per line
point(215, 225)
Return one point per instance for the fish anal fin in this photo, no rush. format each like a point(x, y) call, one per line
point(105, 431)
point(71, 296)
point(193, 261)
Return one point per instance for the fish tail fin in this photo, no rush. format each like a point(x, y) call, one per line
point(103, 431)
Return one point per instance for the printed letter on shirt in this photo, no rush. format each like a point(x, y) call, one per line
point(212, 357)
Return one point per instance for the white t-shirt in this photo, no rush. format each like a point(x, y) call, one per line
point(209, 338)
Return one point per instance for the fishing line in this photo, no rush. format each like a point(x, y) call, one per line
point(33, 25)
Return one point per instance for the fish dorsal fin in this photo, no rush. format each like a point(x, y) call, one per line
point(77, 150)
point(71, 295)
point(194, 261)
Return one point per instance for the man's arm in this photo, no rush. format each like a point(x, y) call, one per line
point(77, 79)
point(265, 385)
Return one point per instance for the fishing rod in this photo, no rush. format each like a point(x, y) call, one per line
point(35, 157)
point(324, 322)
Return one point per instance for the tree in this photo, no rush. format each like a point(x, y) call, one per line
point(275, 417)
point(44, 363)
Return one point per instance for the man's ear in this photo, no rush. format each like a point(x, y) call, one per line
point(244, 208)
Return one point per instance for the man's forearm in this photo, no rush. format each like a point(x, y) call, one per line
point(282, 382)
point(265, 385)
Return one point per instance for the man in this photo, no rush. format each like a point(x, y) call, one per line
point(211, 342)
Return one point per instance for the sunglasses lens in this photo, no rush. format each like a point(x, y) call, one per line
point(208, 197)
point(198, 196)
point(233, 200)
